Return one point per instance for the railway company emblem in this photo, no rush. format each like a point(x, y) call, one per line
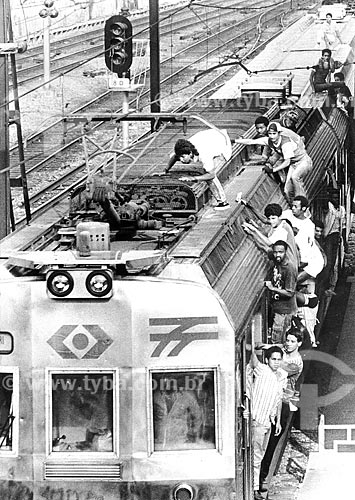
point(186, 330)
point(80, 341)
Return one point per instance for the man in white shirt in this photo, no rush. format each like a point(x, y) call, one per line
point(329, 33)
point(279, 230)
point(289, 148)
point(211, 148)
point(302, 225)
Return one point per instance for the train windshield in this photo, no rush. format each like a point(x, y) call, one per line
point(82, 412)
point(184, 410)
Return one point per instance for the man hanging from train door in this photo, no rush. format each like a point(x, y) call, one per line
point(267, 385)
point(210, 147)
point(292, 363)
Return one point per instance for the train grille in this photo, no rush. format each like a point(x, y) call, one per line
point(82, 470)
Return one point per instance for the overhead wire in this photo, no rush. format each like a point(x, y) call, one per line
point(24, 17)
point(179, 90)
point(245, 7)
point(85, 61)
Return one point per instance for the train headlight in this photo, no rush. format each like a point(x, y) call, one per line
point(183, 492)
point(99, 283)
point(60, 283)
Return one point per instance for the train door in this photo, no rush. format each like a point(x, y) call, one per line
point(245, 420)
point(255, 332)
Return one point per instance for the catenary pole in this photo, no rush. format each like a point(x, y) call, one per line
point(154, 56)
point(4, 125)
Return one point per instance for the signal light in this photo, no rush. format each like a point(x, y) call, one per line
point(118, 45)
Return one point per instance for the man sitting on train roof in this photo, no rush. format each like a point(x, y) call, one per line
point(210, 147)
point(320, 75)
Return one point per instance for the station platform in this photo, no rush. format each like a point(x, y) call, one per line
point(330, 470)
point(329, 475)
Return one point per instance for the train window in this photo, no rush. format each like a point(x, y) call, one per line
point(82, 412)
point(184, 415)
point(9, 411)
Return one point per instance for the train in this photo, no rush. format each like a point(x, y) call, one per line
point(124, 351)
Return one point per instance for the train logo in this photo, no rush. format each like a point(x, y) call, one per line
point(180, 333)
point(80, 341)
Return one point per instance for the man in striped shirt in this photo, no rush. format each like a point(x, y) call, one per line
point(268, 384)
point(292, 363)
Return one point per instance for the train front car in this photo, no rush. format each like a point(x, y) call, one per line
point(123, 392)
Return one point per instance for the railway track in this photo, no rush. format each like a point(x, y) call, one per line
point(67, 53)
point(64, 167)
point(50, 137)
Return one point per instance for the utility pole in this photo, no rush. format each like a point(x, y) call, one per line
point(154, 56)
point(47, 13)
point(4, 125)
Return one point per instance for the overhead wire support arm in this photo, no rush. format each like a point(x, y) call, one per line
point(104, 117)
point(232, 63)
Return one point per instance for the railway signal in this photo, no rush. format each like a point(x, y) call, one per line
point(118, 45)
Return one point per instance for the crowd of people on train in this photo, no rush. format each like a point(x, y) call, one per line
point(303, 252)
point(284, 154)
point(303, 257)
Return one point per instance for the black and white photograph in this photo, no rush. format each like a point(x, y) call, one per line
point(177, 249)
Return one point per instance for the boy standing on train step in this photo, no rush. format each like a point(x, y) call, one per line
point(211, 148)
point(267, 385)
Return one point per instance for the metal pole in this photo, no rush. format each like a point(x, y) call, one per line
point(4, 125)
point(154, 56)
point(21, 151)
point(125, 125)
point(46, 48)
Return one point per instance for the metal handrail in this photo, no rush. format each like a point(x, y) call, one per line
point(6, 429)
